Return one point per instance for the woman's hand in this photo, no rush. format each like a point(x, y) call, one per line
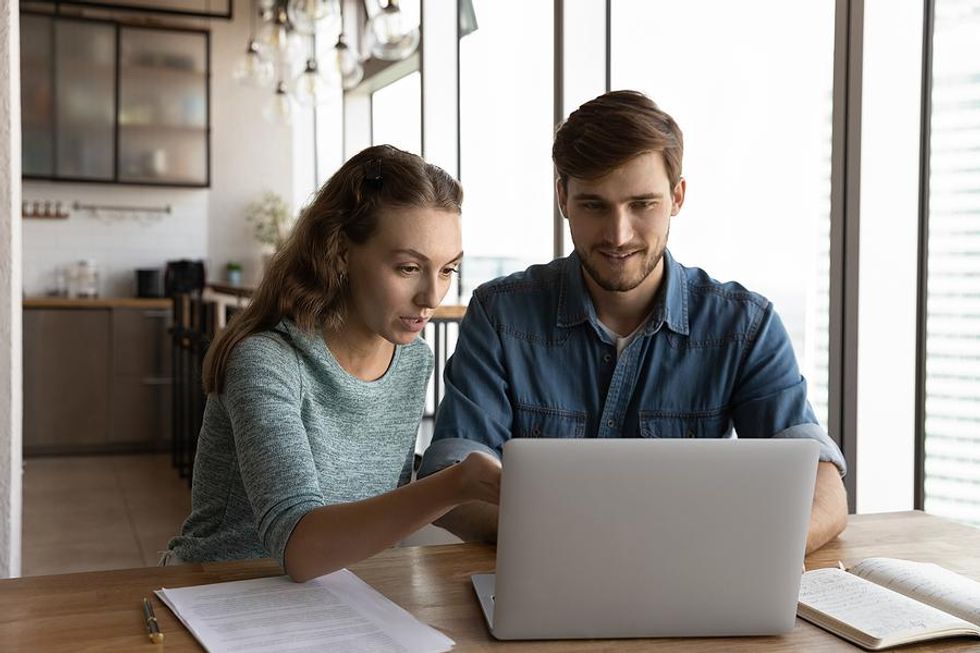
point(480, 477)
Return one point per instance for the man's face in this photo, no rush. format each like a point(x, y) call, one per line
point(620, 221)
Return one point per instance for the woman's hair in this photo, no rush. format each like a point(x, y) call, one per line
point(606, 132)
point(306, 279)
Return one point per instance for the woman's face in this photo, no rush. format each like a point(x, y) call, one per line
point(403, 271)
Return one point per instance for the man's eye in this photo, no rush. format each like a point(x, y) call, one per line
point(645, 204)
point(591, 206)
point(448, 272)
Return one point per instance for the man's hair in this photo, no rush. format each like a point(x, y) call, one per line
point(606, 132)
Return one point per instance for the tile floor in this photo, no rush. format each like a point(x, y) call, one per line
point(85, 513)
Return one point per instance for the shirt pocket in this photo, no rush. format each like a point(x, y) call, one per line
point(541, 422)
point(657, 425)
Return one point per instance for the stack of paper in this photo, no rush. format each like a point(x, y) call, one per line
point(336, 612)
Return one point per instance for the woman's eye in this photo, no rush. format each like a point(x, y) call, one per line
point(408, 269)
point(448, 272)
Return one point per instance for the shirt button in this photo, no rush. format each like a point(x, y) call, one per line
point(611, 423)
point(607, 357)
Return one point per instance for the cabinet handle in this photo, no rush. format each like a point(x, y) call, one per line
point(157, 380)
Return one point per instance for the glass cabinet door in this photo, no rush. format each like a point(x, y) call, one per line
point(36, 96)
point(163, 116)
point(85, 105)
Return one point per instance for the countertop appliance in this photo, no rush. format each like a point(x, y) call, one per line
point(183, 276)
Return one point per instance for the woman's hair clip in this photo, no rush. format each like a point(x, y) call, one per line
point(374, 178)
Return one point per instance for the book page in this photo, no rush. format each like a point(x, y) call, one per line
point(877, 611)
point(336, 612)
point(926, 582)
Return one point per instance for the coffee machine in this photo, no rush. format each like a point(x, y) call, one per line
point(183, 276)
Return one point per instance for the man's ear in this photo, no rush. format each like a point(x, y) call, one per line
point(678, 196)
point(562, 195)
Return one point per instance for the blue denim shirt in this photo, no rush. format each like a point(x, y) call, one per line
point(533, 361)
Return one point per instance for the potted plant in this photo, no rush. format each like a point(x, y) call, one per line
point(272, 222)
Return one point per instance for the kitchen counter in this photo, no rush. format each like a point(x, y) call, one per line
point(101, 302)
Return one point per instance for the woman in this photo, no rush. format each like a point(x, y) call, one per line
point(316, 390)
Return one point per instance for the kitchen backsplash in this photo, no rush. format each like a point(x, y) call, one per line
point(118, 242)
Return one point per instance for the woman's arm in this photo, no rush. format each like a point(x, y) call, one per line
point(332, 537)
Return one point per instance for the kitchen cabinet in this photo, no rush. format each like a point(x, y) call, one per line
point(96, 379)
point(141, 377)
point(66, 379)
point(109, 102)
point(37, 95)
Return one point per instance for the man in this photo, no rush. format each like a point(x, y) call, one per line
point(619, 339)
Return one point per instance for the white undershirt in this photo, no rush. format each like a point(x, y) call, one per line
point(622, 342)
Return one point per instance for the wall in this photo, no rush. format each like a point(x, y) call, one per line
point(249, 154)
point(117, 242)
point(10, 305)
point(248, 157)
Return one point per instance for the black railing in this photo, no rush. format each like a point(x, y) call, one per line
point(192, 332)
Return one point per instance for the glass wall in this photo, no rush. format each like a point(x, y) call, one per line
point(396, 114)
point(506, 124)
point(889, 207)
point(952, 446)
point(756, 118)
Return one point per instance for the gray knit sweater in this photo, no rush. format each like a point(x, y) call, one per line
point(293, 431)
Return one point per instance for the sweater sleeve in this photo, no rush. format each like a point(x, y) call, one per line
point(263, 398)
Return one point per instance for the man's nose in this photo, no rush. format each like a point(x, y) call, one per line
point(619, 229)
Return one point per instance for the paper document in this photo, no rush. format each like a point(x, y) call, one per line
point(336, 612)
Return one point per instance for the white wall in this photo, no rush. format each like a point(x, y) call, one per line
point(248, 154)
point(117, 242)
point(10, 305)
point(248, 157)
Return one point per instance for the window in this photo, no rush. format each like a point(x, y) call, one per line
point(952, 424)
point(396, 114)
point(756, 118)
point(506, 126)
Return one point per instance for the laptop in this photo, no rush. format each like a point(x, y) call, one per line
point(649, 538)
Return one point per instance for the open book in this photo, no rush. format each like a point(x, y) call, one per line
point(884, 602)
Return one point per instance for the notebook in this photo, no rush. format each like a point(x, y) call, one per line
point(649, 538)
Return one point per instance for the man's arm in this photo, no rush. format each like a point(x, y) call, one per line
point(829, 516)
point(472, 522)
point(474, 415)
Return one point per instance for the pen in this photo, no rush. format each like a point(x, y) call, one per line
point(152, 628)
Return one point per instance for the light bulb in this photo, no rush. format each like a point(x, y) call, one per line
point(275, 42)
point(351, 70)
point(279, 109)
point(312, 87)
point(392, 38)
point(252, 69)
point(304, 14)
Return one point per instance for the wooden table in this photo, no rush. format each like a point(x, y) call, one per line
point(101, 611)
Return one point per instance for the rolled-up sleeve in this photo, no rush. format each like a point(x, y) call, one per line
point(475, 414)
point(262, 396)
point(770, 394)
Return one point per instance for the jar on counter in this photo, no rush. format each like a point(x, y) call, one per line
point(84, 280)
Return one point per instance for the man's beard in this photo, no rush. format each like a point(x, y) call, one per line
point(612, 282)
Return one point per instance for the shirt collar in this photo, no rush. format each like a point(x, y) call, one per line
point(575, 305)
